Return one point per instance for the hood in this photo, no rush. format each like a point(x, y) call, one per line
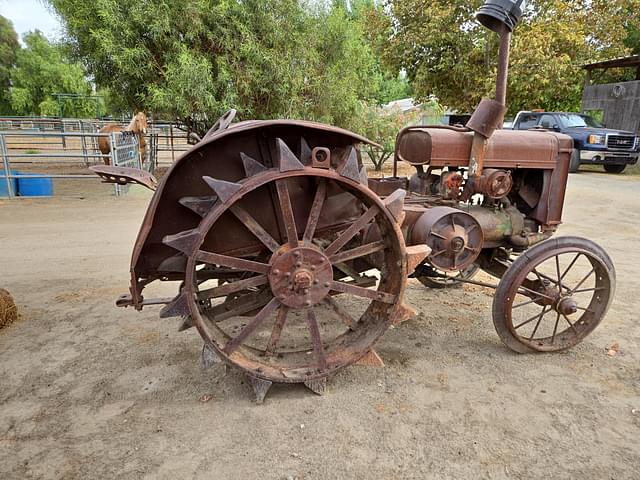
point(596, 131)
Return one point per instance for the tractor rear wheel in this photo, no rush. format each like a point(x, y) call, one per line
point(297, 306)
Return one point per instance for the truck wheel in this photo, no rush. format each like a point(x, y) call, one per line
point(574, 163)
point(614, 168)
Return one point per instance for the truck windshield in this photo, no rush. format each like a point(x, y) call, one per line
point(572, 120)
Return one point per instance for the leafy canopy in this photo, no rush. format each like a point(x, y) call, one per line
point(195, 59)
point(9, 47)
point(41, 70)
point(446, 53)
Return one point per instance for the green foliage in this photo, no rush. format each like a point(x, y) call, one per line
point(42, 70)
point(383, 124)
point(197, 58)
point(446, 53)
point(632, 27)
point(9, 47)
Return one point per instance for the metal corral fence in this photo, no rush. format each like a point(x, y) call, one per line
point(123, 151)
point(55, 147)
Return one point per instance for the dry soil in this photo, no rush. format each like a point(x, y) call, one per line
point(91, 391)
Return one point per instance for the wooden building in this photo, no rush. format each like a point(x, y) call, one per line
point(619, 102)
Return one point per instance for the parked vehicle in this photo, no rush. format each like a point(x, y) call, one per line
point(593, 144)
point(271, 231)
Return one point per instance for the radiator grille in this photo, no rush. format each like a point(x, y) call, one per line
point(621, 142)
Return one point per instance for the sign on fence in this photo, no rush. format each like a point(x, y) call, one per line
point(125, 150)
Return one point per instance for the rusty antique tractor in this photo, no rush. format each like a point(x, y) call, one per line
point(291, 263)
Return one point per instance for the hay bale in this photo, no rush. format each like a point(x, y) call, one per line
point(8, 309)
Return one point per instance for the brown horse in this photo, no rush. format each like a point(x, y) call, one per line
point(137, 125)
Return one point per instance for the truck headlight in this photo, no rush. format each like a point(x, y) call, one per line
point(597, 139)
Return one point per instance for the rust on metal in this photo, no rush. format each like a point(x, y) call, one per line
point(272, 230)
point(124, 176)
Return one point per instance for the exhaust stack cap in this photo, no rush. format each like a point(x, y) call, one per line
point(500, 15)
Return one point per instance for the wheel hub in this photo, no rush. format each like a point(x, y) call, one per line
point(300, 277)
point(567, 306)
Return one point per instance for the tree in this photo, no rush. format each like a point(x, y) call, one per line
point(632, 27)
point(198, 58)
point(9, 47)
point(383, 124)
point(388, 83)
point(446, 53)
point(42, 70)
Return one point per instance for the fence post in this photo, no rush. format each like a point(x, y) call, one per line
point(173, 155)
point(113, 154)
point(6, 167)
point(83, 141)
point(63, 130)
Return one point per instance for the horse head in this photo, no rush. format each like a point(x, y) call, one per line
point(140, 123)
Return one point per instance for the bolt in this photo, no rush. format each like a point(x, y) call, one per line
point(299, 264)
point(308, 303)
point(316, 281)
point(313, 267)
point(276, 272)
point(326, 284)
point(288, 274)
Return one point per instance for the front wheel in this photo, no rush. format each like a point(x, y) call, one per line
point(574, 163)
point(614, 168)
point(553, 295)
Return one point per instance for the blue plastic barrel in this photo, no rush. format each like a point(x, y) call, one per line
point(35, 187)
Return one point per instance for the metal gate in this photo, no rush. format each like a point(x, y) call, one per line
point(125, 153)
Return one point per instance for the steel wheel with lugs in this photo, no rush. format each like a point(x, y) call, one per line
point(295, 305)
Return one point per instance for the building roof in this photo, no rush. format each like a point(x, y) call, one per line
point(403, 105)
point(624, 62)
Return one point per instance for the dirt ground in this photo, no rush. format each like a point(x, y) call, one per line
point(91, 391)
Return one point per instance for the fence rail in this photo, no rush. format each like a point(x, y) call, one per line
point(123, 150)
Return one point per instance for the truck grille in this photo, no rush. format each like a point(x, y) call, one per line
point(621, 142)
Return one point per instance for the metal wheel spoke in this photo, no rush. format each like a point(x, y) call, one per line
point(437, 235)
point(533, 292)
point(546, 277)
point(223, 311)
point(555, 328)
point(542, 314)
point(316, 209)
point(557, 257)
point(318, 348)
point(569, 322)
point(344, 316)
point(595, 289)
point(525, 303)
point(582, 281)
point(529, 320)
point(585, 309)
point(231, 262)
point(267, 310)
point(343, 287)
point(570, 266)
point(254, 227)
point(357, 252)
point(353, 229)
point(277, 330)
point(232, 287)
point(287, 213)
